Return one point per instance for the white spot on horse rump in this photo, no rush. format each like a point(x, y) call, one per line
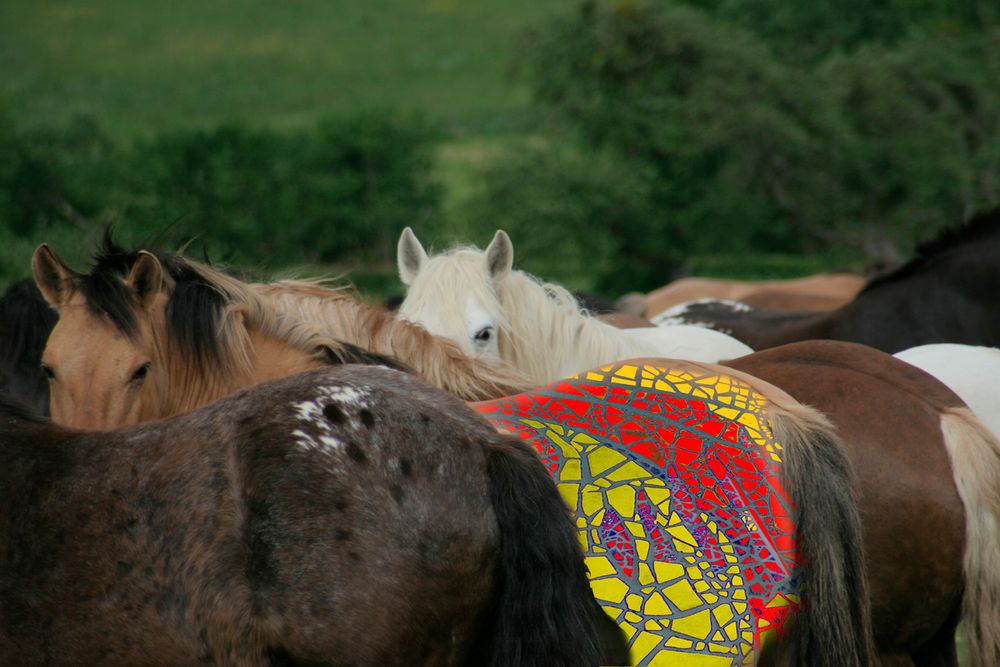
point(346, 395)
point(323, 444)
point(679, 314)
point(319, 436)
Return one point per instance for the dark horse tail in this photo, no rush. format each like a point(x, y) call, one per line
point(545, 614)
point(833, 626)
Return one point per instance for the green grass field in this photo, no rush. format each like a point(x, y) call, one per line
point(144, 68)
point(141, 69)
point(148, 66)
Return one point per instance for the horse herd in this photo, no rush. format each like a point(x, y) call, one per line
point(277, 473)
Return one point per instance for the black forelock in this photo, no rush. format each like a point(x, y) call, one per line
point(983, 228)
point(193, 310)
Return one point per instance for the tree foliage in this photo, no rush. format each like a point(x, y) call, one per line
point(751, 151)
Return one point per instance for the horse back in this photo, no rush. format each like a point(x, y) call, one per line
point(889, 417)
point(314, 520)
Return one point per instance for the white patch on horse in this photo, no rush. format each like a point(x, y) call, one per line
point(346, 396)
point(679, 314)
point(322, 438)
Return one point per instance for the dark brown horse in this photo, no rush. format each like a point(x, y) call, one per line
point(947, 294)
point(347, 516)
point(25, 322)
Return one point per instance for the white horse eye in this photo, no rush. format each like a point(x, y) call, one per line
point(484, 335)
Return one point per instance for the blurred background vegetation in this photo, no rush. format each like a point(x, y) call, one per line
point(621, 143)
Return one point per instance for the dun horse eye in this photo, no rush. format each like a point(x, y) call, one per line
point(140, 373)
point(49, 373)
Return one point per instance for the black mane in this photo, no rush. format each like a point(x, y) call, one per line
point(193, 312)
point(11, 407)
point(26, 320)
point(984, 227)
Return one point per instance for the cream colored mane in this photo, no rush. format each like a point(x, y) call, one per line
point(248, 309)
point(310, 316)
point(543, 331)
point(308, 311)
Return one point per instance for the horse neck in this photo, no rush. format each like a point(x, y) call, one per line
point(265, 357)
point(335, 317)
point(549, 339)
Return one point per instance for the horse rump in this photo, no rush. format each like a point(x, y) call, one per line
point(350, 513)
point(544, 613)
point(833, 626)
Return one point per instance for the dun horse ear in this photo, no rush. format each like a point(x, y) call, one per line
point(500, 255)
point(146, 278)
point(51, 275)
point(410, 256)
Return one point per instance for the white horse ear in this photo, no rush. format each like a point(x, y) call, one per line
point(410, 256)
point(52, 277)
point(500, 255)
point(146, 278)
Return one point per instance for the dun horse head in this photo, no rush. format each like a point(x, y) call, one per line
point(105, 359)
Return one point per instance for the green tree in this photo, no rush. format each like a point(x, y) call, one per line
point(702, 103)
point(584, 220)
point(865, 150)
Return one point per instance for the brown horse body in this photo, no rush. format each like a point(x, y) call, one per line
point(824, 291)
point(351, 515)
point(888, 415)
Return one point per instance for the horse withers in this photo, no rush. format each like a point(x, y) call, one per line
point(351, 515)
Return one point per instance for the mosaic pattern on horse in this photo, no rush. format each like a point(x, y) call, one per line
point(673, 479)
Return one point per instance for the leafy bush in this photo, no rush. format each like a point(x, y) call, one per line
point(257, 196)
point(584, 220)
point(752, 153)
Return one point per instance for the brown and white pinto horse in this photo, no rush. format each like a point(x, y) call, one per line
point(929, 484)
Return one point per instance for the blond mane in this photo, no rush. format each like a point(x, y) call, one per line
point(309, 312)
point(312, 316)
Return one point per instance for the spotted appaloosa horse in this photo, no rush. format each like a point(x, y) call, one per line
point(346, 516)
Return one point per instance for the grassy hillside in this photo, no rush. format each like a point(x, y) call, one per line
point(141, 67)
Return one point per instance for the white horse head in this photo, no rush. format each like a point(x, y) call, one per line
point(476, 299)
point(454, 294)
